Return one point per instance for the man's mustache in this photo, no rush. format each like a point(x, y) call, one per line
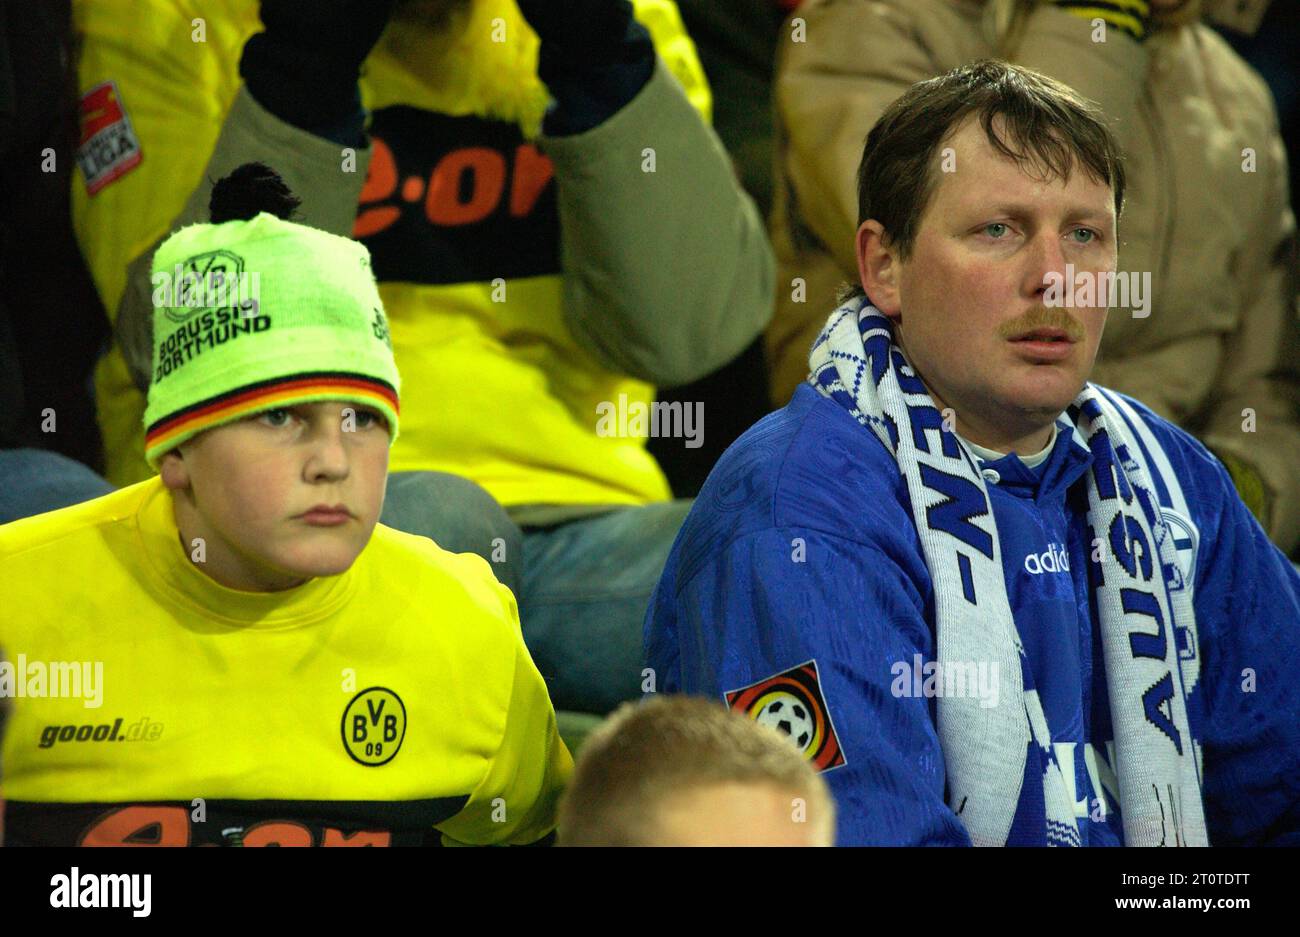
point(1043, 317)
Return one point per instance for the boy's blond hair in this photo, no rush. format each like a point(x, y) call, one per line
point(666, 746)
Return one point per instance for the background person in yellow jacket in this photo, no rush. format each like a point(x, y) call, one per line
point(234, 651)
point(1208, 214)
point(553, 225)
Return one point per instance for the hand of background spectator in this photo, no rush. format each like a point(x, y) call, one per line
point(595, 57)
point(304, 67)
point(578, 30)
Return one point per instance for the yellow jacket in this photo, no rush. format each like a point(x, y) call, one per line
point(150, 703)
point(507, 334)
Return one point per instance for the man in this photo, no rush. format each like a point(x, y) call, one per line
point(1209, 214)
point(285, 670)
point(677, 771)
point(554, 228)
point(1017, 607)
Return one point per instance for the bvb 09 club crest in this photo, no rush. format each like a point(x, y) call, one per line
point(211, 280)
point(374, 724)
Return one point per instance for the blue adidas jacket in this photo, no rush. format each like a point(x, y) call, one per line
point(797, 590)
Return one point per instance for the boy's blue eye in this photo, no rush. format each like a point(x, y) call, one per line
point(1092, 235)
point(988, 228)
point(371, 418)
point(272, 416)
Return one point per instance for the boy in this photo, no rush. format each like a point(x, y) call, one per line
point(681, 771)
point(287, 671)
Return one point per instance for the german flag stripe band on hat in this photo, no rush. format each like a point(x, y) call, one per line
point(265, 395)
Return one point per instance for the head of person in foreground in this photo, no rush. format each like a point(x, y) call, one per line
point(686, 771)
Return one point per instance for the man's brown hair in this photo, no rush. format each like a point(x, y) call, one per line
point(669, 745)
point(1037, 121)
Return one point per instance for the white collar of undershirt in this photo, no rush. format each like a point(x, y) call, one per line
point(1030, 461)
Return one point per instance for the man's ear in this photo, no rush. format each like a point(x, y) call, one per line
point(175, 474)
point(878, 267)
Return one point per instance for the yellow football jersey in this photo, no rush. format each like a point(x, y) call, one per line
point(395, 703)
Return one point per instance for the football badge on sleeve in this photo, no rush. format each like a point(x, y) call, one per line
point(792, 702)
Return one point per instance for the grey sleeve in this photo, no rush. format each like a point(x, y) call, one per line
point(312, 167)
point(668, 273)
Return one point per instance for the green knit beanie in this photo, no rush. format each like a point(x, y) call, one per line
point(257, 314)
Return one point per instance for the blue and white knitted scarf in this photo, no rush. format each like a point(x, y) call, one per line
point(855, 362)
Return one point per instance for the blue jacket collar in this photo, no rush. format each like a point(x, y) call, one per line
point(1069, 459)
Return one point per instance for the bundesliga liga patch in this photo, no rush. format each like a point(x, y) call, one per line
point(792, 702)
point(109, 148)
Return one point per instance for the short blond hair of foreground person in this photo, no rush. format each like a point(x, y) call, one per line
point(685, 771)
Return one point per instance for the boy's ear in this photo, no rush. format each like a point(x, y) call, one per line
point(878, 267)
point(175, 474)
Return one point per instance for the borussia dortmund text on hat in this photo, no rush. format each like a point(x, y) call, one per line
point(209, 330)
